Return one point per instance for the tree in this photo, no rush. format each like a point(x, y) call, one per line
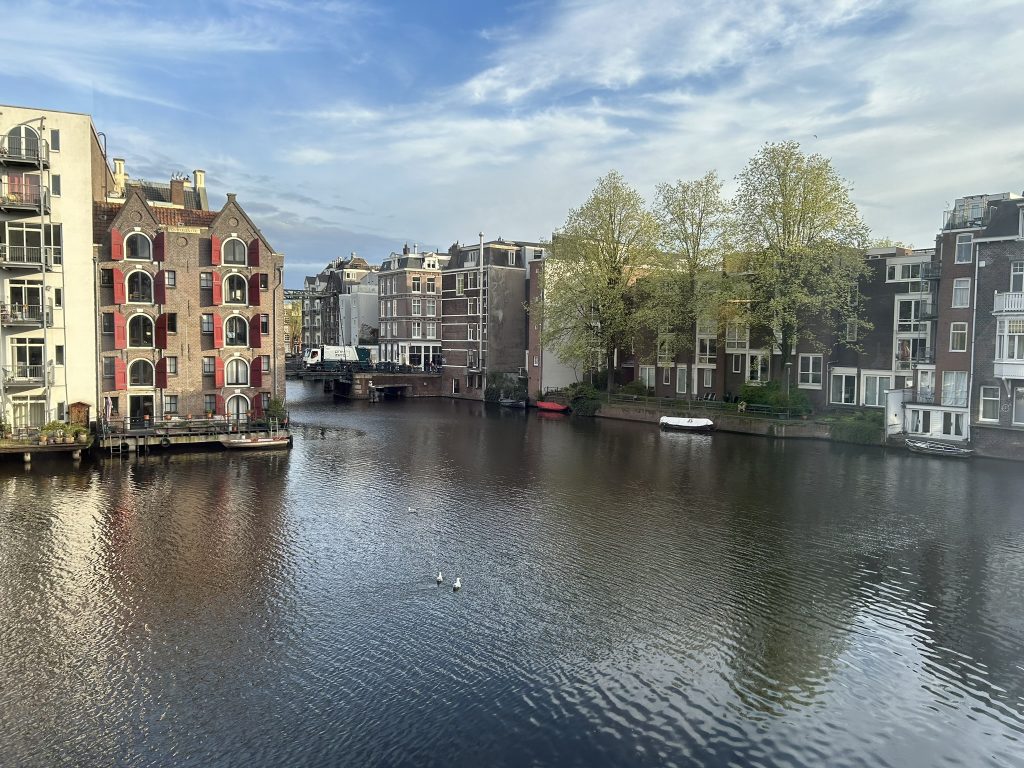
point(604, 246)
point(696, 231)
point(803, 239)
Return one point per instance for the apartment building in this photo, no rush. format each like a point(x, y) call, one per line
point(409, 295)
point(323, 315)
point(191, 304)
point(544, 370)
point(51, 169)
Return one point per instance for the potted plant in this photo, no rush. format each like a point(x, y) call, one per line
point(5, 429)
point(53, 430)
point(80, 433)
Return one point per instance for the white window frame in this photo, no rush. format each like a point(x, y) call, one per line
point(1018, 412)
point(708, 377)
point(762, 360)
point(985, 397)
point(431, 330)
point(143, 236)
point(680, 379)
point(961, 286)
point(417, 307)
point(666, 376)
point(737, 363)
point(954, 389)
point(958, 329)
point(1009, 339)
point(809, 378)
point(1017, 274)
point(737, 337)
point(844, 374)
point(647, 376)
point(875, 379)
point(964, 252)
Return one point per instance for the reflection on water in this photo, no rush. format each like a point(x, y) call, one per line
point(630, 597)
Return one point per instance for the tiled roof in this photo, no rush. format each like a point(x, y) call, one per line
point(104, 214)
point(161, 193)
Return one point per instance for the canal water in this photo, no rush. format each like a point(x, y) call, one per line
point(630, 597)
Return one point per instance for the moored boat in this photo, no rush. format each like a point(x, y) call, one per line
point(510, 402)
point(548, 405)
point(257, 443)
point(689, 424)
point(936, 448)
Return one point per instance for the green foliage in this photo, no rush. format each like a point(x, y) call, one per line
point(55, 428)
point(276, 409)
point(635, 387)
point(584, 399)
point(772, 394)
point(862, 427)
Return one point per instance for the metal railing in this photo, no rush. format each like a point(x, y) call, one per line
point(20, 149)
point(24, 374)
point(24, 314)
point(23, 197)
point(28, 255)
point(190, 425)
point(931, 270)
point(960, 218)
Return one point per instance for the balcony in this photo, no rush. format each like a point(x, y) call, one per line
point(922, 396)
point(961, 218)
point(931, 270)
point(28, 256)
point(907, 361)
point(1008, 302)
point(25, 315)
point(1008, 369)
point(24, 376)
point(16, 150)
point(24, 198)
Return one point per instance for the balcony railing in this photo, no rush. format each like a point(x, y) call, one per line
point(922, 396)
point(25, 314)
point(931, 270)
point(906, 362)
point(22, 197)
point(960, 218)
point(24, 375)
point(1008, 302)
point(18, 150)
point(30, 256)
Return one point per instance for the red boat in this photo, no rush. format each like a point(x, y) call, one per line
point(547, 405)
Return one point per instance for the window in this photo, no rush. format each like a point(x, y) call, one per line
point(908, 315)
point(264, 325)
point(954, 388)
point(210, 404)
point(810, 372)
point(55, 185)
point(206, 323)
point(431, 285)
point(170, 405)
point(953, 424)
point(140, 374)
point(172, 322)
point(106, 278)
point(55, 140)
point(138, 247)
point(140, 331)
point(1010, 339)
point(233, 252)
point(264, 281)
point(1017, 277)
point(140, 288)
point(736, 336)
point(209, 366)
point(431, 330)
point(417, 307)
point(851, 330)
point(235, 290)
point(265, 363)
point(236, 332)
point(708, 378)
point(460, 284)
point(961, 292)
point(757, 368)
point(417, 329)
point(681, 379)
point(647, 376)
point(903, 272)
point(107, 322)
point(236, 373)
point(964, 244)
point(430, 307)
point(265, 400)
point(989, 404)
point(172, 366)
point(737, 363)
point(666, 376)
point(958, 337)
point(108, 367)
point(58, 354)
point(471, 307)
point(58, 297)
point(416, 283)
point(206, 279)
point(1018, 406)
point(920, 422)
point(707, 350)
point(844, 389)
point(471, 331)
point(875, 388)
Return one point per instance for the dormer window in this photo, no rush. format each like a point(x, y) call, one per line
point(233, 252)
point(138, 247)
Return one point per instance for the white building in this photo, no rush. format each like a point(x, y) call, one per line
point(52, 167)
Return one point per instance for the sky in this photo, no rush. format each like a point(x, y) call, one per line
point(359, 126)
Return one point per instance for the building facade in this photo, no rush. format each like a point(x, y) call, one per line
point(409, 296)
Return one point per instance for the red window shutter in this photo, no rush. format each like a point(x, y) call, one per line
point(158, 247)
point(255, 341)
point(118, 278)
point(161, 373)
point(161, 332)
point(218, 373)
point(254, 252)
point(254, 290)
point(120, 331)
point(120, 374)
point(160, 287)
point(257, 406)
point(214, 250)
point(116, 244)
point(256, 373)
point(218, 333)
point(220, 404)
point(218, 291)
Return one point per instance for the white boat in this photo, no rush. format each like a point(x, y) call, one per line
point(686, 423)
point(257, 443)
point(936, 448)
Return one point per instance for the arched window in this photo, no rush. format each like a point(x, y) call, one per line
point(140, 374)
point(237, 407)
point(237, 373)
point(137, 246)
point(235, 290)
point(236, 332)
point(140, 288)
point(233, 252)
point(140, 331)
point(23, 142)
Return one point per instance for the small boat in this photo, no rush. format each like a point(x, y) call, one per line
point(686, 423)
point(257, 443)
point(936, 448)
point(547, 405)
point(510, 402)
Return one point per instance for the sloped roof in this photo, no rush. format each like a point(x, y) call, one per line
point(103, 215)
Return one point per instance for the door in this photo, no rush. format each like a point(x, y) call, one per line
point(925, 386)
point(237, 408)
point(139, 408)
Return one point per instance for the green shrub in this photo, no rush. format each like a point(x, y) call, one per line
point(772, 395)
point(584, 399)
point(862, 428)
point(635, 387)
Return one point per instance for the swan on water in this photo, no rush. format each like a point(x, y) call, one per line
point(458, 584)
point(440, 577)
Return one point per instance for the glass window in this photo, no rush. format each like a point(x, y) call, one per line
point(666, 376)
point(757, 368)
point(140, 374)
point(416, 283)
point(137, 246)
point(875, 388)
point(265, 363)
point(233, 252)
point(844, 389)
point(810, 371)
point(964, 244)
point(106, 277)
point(107, 322)
point(210, 404)
point(417, 307)
point(209, 366)
point(989, 404)
point(172, 366)
point(264, 325)
point(708, 377)
point(681, 379)
point(108, 367)
point(140, 288)
point(707, 350)
point(140, 331)
point(961, 292)
point(236, 332)
point(430, 307)
point(237, 373)
point(172, 322)
point(235, 290)
point(170, 405)
point(953, 424)
point(736, 336)
point(1010, 339)
point(264, 281)
point(431, 283)
point(1017, 277)
point(954, 388)
point(55, 140)
point(417, 329)
point(58, 354)
point(206, 279)
point(170, 278)
point(431, 330)
point(206, 324)
point(958, 337)
point(647, 376)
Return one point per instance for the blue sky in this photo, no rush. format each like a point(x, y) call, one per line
point(358, 126)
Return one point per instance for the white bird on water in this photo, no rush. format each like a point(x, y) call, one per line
point(440, 577)
point(458, 584)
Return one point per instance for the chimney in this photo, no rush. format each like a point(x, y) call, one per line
point(199, 182)
point(178, 192)
point(119, 176)
point(405, 249)
point(198, 179)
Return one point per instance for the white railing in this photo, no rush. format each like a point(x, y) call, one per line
point(1008, 302)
